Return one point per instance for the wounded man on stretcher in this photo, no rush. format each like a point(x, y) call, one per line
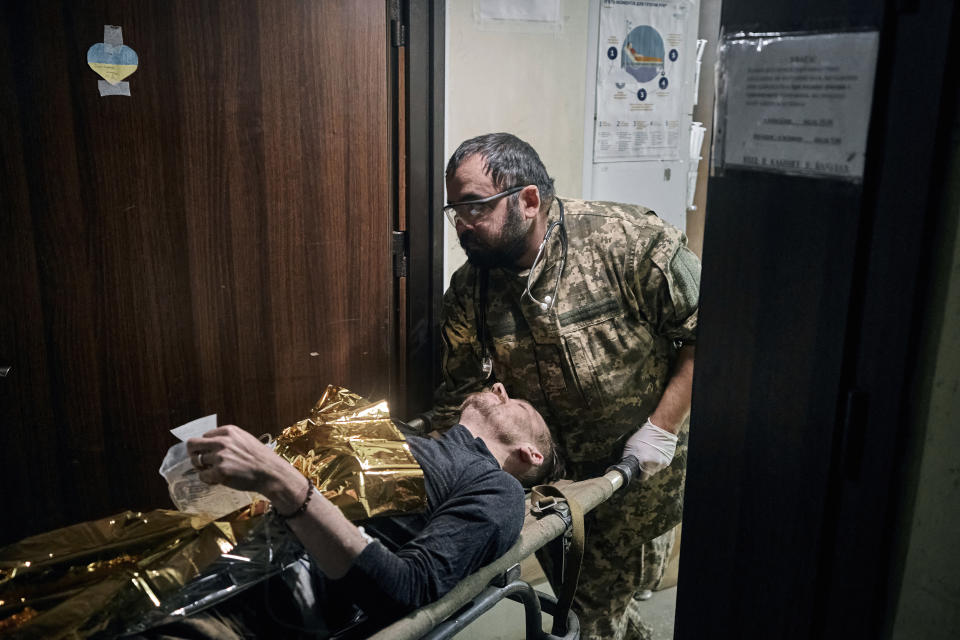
point(393, 565)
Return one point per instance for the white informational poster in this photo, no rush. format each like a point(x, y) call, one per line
point(640, 82)
point(796, 104)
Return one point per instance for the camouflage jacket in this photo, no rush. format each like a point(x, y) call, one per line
point(597, 363)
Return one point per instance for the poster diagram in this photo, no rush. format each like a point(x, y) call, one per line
point(640, 72)
point(642, 55)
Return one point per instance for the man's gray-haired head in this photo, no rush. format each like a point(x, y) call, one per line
point(510, 161)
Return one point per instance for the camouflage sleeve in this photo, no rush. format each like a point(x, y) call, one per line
point(667, 284)
point(460, 353)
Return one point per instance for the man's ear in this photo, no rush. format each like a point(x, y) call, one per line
point(530, 455)
point(530, 201)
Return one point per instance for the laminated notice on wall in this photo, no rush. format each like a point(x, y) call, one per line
point(640, 68)
point(797, 104)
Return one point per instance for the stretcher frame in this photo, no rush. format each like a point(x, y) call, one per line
point(479, 592)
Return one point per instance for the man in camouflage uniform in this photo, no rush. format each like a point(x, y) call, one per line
point(607, 358)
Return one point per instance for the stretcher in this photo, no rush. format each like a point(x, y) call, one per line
point(478, 593)
point(553, 511)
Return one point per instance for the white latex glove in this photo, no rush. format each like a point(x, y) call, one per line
point(654, 448)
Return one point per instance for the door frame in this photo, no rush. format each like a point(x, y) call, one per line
point(418, 158)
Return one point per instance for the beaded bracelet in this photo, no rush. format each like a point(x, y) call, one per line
point(301, 508)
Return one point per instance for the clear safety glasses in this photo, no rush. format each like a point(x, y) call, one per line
point(469, 211)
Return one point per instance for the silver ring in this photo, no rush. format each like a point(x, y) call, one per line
point(200, 460)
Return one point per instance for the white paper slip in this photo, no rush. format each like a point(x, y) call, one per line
point(188, 492)
point(195, 428)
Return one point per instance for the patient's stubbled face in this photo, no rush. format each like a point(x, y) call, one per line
point(508, 419)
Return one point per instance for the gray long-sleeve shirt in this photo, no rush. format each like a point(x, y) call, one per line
point(474, 514)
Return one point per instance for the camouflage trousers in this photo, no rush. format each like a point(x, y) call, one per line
point(623, 554)
point(656, 556)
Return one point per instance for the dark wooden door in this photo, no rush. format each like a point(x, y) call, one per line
point(217, 241)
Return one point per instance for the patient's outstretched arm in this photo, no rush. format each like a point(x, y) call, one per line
point(235, 458)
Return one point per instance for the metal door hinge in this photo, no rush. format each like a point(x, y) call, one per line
point(399, 254)
point(399, 33)
point(398, 27)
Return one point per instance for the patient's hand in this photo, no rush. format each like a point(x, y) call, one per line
point(233, 457)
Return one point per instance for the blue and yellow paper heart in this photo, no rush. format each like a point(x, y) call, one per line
point(112, 62)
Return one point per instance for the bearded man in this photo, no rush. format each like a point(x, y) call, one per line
point(589, 311)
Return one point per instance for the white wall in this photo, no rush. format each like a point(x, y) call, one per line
point(530, 84)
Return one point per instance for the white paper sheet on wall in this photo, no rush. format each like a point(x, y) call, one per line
point(527, 11)
point(640, 79)
point(507, 16)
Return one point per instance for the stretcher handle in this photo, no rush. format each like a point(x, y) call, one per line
point(628, 468)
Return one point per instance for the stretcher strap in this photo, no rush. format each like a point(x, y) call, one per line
point(548, 497)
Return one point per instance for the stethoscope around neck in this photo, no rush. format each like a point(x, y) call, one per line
point(486, 362)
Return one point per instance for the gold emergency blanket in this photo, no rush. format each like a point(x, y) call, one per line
point(128, 572)
point(355, 456)
point(86, 578)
